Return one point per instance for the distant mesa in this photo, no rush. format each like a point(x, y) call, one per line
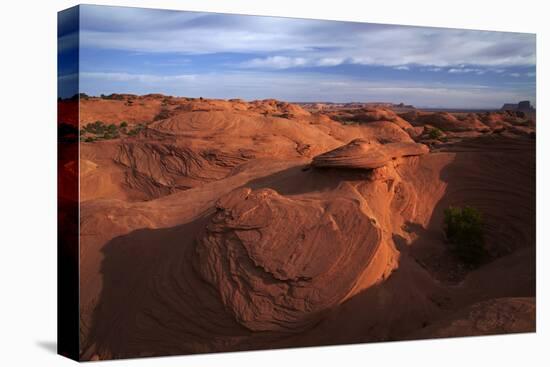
point(523, 106)
point(354, 105)
point(364, 154)
point(389, 105)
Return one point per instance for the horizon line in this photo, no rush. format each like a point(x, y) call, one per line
point(303, 102)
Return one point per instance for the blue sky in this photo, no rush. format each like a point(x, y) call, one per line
point(133, 50)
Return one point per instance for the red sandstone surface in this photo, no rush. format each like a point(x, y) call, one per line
point(231, 225)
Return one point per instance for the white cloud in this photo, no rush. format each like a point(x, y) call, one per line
point(142, 78)
point(286, 62)
point(322, 42)
point(276, 62)
point(515, 75)
point(461, 70)
point(283, 43)
point(330, 61)
point(465, 70)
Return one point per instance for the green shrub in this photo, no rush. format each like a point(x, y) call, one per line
point(101, 131)
point(164, 113)
point(109, 135)
point(123, 124)
point(464, 231)
point(435, 133)
point(95, 127)
point(136, 130)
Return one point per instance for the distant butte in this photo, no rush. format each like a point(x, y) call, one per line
point(523, 106)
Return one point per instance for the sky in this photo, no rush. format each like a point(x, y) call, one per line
point(134, 50)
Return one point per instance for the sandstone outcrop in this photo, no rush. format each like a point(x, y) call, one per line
point(365, 154)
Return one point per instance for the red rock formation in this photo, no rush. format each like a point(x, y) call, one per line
point(273, 276)
point(365, 154)
point(261, 251)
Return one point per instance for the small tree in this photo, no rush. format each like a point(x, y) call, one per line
point(464, 231)
point(123, 124)
point(95, 128)
point(136, 130)
point(434, 133)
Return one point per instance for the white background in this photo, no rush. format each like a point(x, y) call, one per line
point(28, 183)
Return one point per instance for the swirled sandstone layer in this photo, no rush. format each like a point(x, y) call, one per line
point(279, 262)
point(365, 154)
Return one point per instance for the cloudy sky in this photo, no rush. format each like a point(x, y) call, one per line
point(131, 50)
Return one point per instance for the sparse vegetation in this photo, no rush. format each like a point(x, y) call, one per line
point(163, 114)
point(114, 96)
point(99, 131)
point(136, 130)
point(464, 231)
point(95, 127)
point(434, 133)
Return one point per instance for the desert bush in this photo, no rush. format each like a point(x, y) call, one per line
point(97, 127)
point(434, 133)
point(123, 124)
point(136, 130)
point(163, 114)
point(464, 231)
point(101, 131)
point(113, 96)
point(109, 135)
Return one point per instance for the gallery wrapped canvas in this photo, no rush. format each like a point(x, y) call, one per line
point(238, 182)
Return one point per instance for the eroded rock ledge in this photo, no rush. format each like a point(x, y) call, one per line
point(365, 154)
